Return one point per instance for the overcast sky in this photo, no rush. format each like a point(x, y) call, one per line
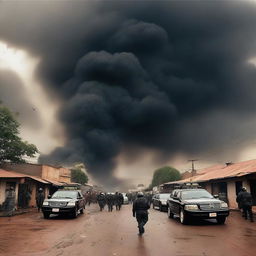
point(127, 87)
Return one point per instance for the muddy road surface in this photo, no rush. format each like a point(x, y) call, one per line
point(98, 233)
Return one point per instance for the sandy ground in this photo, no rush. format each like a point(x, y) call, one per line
point(104, 234)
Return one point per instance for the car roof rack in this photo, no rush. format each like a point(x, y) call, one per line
point(188, 185)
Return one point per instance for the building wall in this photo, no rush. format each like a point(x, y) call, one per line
point(65, 175)
point(2, 191)
point(231, 186)
point(49, 172)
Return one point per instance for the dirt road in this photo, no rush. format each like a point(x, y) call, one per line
point(105, 234)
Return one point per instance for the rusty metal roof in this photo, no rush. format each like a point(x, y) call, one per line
point(54, 182)
point(222, 172)
point(11, 174)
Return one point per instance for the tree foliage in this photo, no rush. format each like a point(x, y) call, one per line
point(78, 176)
point(165, 174)
point(12, 148)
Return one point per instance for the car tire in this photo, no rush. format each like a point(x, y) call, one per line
point(160, 208)
point(183, 217)
point(46, 215)
point(169, 213)
point(221, 220)
point(74, 214)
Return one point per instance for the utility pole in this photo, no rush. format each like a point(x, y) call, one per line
point(192, 163)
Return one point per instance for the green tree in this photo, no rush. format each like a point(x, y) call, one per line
point(78, 176)
point(12, 148)
point(165, 174)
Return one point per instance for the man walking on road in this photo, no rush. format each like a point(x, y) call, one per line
point(101, 201)
point(244, 200)
point(140, 210)
point(40, 199)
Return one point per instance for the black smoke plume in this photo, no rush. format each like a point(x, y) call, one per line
point(163, 76)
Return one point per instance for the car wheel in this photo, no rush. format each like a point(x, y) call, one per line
point(221, 220)
point(46, 215)
point(74, 214)
point(160, 208)
point(169, 213)
point(183, 217)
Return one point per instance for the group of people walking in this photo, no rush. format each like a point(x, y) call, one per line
point(110, 200)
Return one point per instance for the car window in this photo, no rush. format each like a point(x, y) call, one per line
point(178, 195)
point(65, 194)
point(195, 194)
point(164, 196)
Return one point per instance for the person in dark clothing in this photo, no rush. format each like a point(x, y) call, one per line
point(119, 200)
point(101, 199)
point(244, 200)
point(110, 201)
point(40, 199)
point(140, 211)
point(9, 204)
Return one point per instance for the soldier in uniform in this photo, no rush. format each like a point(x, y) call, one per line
point(244, 200)
point(119, 200)
point(110, 201)
point(140, 211)
point(40, 199)
point(101, 201)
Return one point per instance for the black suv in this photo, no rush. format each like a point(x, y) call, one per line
point(64, 202)
point(190, 204)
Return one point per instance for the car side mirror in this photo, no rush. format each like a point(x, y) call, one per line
point(49, 196)
point(216, 196)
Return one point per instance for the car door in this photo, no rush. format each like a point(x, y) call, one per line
point(176, 202)
point(80, 200)
point(156, 200)
point(171, 201)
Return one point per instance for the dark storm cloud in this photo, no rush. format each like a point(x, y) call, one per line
point(14, 96)
point(162, 76)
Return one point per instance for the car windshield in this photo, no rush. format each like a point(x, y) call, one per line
point(65, 194)
point(164, 196)
point(196, 194)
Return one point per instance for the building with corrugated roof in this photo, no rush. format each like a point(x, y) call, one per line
point(224, 180)
point(24, 186)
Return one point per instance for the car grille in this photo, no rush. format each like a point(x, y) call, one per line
point(58, 204)
point(210, 206)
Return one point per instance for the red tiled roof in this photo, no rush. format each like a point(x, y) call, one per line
point(222, 172)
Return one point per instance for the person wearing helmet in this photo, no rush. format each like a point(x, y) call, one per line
point(244, 200)
point(101, 199)
point(40, 199)
point(140, 211)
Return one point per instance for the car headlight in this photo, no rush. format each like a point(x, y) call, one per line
point(45, 203)
point(224, 205)
point(191, 207)
point(72, 203)
point(163, 201)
